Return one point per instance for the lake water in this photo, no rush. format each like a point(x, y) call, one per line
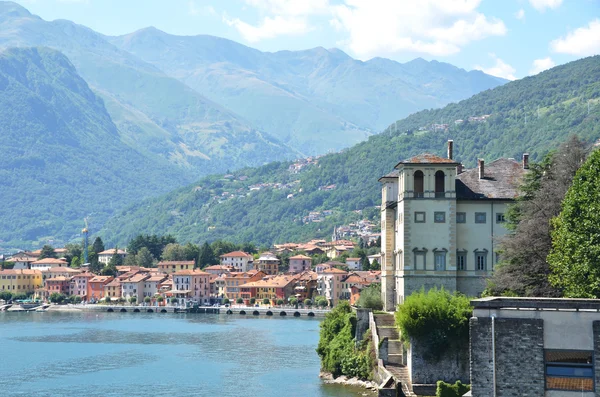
point(145, 354)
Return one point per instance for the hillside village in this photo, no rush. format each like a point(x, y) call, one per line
point(240, 278)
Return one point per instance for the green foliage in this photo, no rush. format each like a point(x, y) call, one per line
point(144, 258)
point(116, 260)
point(75, 262)
point(437, 319)
point(132, 300)
point(375, 265)
point(574, 259)
point(293, 301)
point(321, 301)
point(5, 296)
point(308, 302)
point(75, 299)
point(47, 252)
point(451, 390)
point(160, 298)
point(147, 299)
point(109, 270)
point(370, 297)
point(153, 243)
point(225, 301)
point(266, 301)
point(266, 216)
point(337, 345)
point(239, 300)
point(20, 297)
point(107, 299)
point(55, 297)
point(279, 302)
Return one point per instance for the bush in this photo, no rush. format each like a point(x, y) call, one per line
point(322, 302)
point(370, 297)
point(147, 299)
point(107, 299)
point(437, 319)
point(451, 390)
point(239, 300)
point(160, 298)
point(293, 301)
point(225, 301)
point(5, 296)
point(75, 299)
point(266, 301)
point(279, 302)
point(55, 297)
point(132, 300)
point(307, 303)
point(252, 301)
point(19, 297)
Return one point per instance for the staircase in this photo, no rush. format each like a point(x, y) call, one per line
point(395, 364)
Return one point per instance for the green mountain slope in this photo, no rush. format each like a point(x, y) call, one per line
point(61, 156)
point(153, 112)
point(530, 115)
point(313, 100)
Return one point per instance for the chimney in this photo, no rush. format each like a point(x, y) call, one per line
point(481, 170)
point(450, 148)
point(525, 161)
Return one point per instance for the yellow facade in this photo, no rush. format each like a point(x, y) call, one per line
point(20, 281)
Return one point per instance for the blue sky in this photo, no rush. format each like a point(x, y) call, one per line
point(506, 38)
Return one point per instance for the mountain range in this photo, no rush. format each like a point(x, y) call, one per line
point(91, 124)
point(275, 203)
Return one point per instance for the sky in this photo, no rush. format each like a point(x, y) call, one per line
point(505, 38)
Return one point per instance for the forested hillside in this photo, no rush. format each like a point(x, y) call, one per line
point(61, 157)
point(531, 115)
point(313, 100)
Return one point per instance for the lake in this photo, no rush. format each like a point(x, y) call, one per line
point(152, 354)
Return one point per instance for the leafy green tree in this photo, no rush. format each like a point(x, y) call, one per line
point(107, 299)
point(144, 258)
point(73, 250)
point(375, 265)
point(370, 297)
point(252, 301)
point(130, 260)
point(266, 301)
point(132, 300)
point(75, 262)
point(47, 252)
point(98, 245)
point(109, 270)
point(239, 300)
point(575, 255)
point(116, 259)
point(55, 297)
point(173, 252)
point(160, 299)
point(207, 256)
point(5, 296)
point(75, 299)
point(154, 243)
point(364, 263)
point(279, 302)
point(191, 252)
point(225, 301)
point(293, 301)
point(147, 300)
point(308, 303)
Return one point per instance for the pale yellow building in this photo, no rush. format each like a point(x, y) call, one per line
point(22, 281)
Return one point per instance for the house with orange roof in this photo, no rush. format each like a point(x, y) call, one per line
point(22, 260)
point(353, 263)
point(79, 284)
point(58, 284)
point(170, 267)
point(20, 281)
point(239, 260)
point(217, 287)
point(329, 284)
point(192, 284)
point(96, 287)
point(113, 289)
point(151, 285)
point(106, 255)
point(47, 263)
point(272, 288)
point(306, 285)
point(58, 272)
point(235, 279)
point(133, 287)
point(300, 263)
point(268, 263)
point(219, 269)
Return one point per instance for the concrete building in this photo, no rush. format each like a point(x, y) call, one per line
point(300, 263)
point(192, 284)
point(170, 267)
point(267, 263)
point(79, 284)
point(96, 287)
point(133, 287)
point(22, 281)
point(272, 288)
point(105, 256)
point(542, 347)
point(239, 260)
point(47, 263)
point(329, 284)
point(440, 225)
point(353, 263)
point(235, 279)
point(151, 284)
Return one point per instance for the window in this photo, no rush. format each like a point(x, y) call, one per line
point(418, 178)
point(461, 217)
point(440, 260)
point(481, 260)
point(420, 258)
point(439, 184)
point(500, 218)
point(461, 260)
point(439, 217)
point(419, 217)
point(569, 370)
point(480, 217)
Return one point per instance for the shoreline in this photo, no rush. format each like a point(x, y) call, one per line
point(367, 385)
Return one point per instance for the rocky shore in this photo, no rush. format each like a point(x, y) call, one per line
point(344, 380)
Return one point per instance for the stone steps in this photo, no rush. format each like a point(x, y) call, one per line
point(394, 347)
point(395, 359)
point(388, 332)
point(400, 372)
point(384, 320)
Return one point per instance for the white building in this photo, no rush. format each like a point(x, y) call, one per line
point(134, 287)
point(300, 263)
point(106, 256)
point(151, 284)
point(241, 261)
point(329, 284)
point(47, 263)
point(440, 225)
point(353, 263)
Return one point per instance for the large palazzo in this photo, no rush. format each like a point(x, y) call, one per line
point(440, 224)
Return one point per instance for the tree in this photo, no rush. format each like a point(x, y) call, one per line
point(5, 296)
point(109, 270)
point(252, 301)
point(144, 258)
point(75, 262)
point(370, 297)
point(375, 265)
point(132, 300)
point(364, 263)
point(293, 301)
point(575, 255)
point(107, 299)
point(55, 297)
point(47, 252)
point(73, 250)
point(523, 269)
point(307, 303)
point(206, 256)
point(130, 260)
point(147, 300)
point(98, 245)
point(75, 299)
point(173, 252)
point(266, 301)
point(160, 299)
point(154, 243)
point(116, 259)
point(191, 252)
point(239, 300)
point(279, 302)
point(225, 301)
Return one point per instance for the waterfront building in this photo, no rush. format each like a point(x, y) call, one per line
point(192, 284)
point(170, 267)
point(441, 224)
point(47, 263)
point(96, 287)
point(22, 260)
point(151, 284)
point(272, 288)
point(20, 281)
point(58, 284)
point(306, 285)
point(219, 269)
point(133, 287)
point(300, 263)
point(53, 272)
point(239, 260)
point(546, 347)
point(113, 289)
point(106, 255)
point(79, 284)
point(268, 263)
point(329, 284)
point(235, 279)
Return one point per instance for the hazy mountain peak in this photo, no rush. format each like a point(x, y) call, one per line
point(9, 9)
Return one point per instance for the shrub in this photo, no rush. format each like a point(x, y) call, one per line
point(437, 319)
point(133, 299)
point(307, 303)
point(147, 299)
point(75, 299)
point(451, 390)
point(107, 299)
point(5, 296)
point(225, 301)
point(239, 300)
point(279, 302)
point(55, 297)
point(266, 301)
point(293, 301)
point(370, 297)
point(160, 298)
point(252, 301)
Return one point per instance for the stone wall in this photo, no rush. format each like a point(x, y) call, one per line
point(519, 357)
point(452, 366)
point(596, 327)
point(362, 323)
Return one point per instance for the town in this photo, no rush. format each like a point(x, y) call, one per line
point(45, 275)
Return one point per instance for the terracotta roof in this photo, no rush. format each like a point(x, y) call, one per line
point(100, 279)
point(157, 278)
point(61, 270)
point(59, 278)
point(50, 261)
point(85, 274)
point(502, 179)
point(427, 158)
point(136, 278)
point(334, 270)
point(195, 272)
point(274, 282)
point(22, 259)
point(394, 174)
point(167, 263)
point(112, 251)
point(218, 267)
point(114, 283)
point(300, 257)
point(352, 259)
point(236, 254)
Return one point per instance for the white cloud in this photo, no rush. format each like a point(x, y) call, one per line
point(435, 27)
point(541, 5)
point(582, 41)
point(520, 14)
point(269, 27)
point(499, 69)
point(194, 10)
point(539, 65)
point(291, 7)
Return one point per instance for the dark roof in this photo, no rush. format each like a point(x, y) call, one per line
point(501, 180)
point(394, 174)
point(427, 158)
